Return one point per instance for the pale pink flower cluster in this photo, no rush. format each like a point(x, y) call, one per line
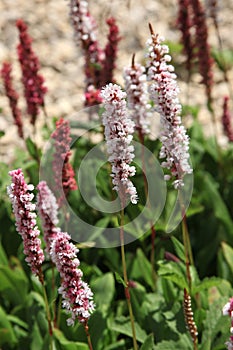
point(48, 211)
point(164, 93)
point(119, 130)
point(21, 197)
point(228, 311)
point(77, 295)
point(137, 96)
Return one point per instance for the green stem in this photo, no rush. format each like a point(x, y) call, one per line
point(41, 278)
point(153, 232)
point(127, 292)
point(86, 328)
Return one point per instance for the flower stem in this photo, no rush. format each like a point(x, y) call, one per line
point(153, 232)
point(41, 278)
point(127, 292)
point(86, 328)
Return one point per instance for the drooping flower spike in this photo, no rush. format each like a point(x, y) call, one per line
point(77, 295)
point(137, 96)
point(21, 197)
point(164, 93)
point(119, 130)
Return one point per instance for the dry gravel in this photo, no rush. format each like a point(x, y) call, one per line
point(62, 61)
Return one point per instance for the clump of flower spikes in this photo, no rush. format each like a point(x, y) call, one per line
point(119, 130)
point(164, 93)
point(228, 311)
point(137, 96)
point(12, 96)
point(21, 197)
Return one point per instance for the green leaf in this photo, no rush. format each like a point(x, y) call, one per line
point(173, 272)
point(14, 284)
point(67, 344)
point(184, 343)
point(3, 256)
point(7, 335)
point(149, 343)
point(206, 283)
point(220, 209)
point(120, 345)
point(123, 326)
point(2, 133)
point(228, 254)
point(215, 325)
point(140, 264)
point(179, 248)
point(104, 288)
point(32, 149)
point(120, 280)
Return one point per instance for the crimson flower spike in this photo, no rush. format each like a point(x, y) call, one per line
point(33, 82)
point(203, 49)
point(12, 96)
point(226, 119)
point(63, 172)
point(110, 51)
point(184, 24)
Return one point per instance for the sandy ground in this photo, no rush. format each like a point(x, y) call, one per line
point(62, 62)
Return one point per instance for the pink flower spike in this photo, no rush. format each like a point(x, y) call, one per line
point(21, 197)
point(12, 96)
point(85, 33)
point(119, 130)
point(77, 295)
point(64, 176)
point(48, 211)
point(33, 82)
point(228, 311)
point(137, 96)
point(164, 93)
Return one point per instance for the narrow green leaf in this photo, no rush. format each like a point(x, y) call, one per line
point(7, 335)
point(119, 279)
point(228, 254)
point(32, 148)
point(3, 256)
point(14, 284)
point(179, 248)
